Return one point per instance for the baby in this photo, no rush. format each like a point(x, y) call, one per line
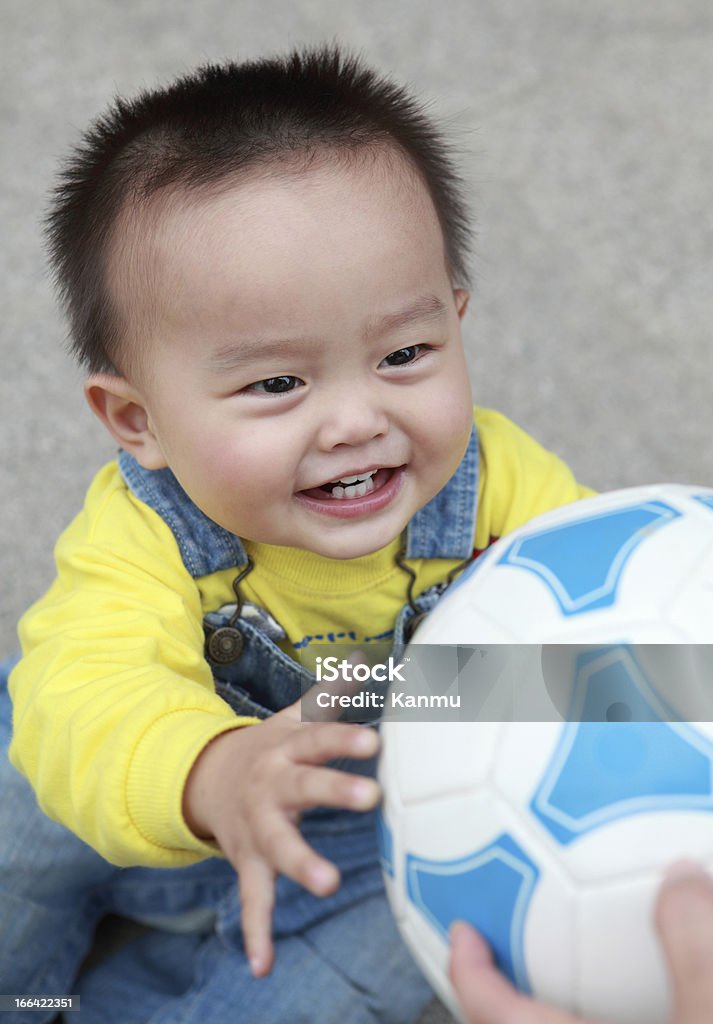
point(265, 271)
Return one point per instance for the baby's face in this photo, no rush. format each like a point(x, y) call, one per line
point(306, 380)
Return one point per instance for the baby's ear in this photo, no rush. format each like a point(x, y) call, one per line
point(122, 409)
point(462, 298)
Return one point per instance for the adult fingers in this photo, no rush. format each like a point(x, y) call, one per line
point(256, 883)
point(484, 994)
point(684, 919)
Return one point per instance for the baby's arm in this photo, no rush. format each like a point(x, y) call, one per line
point(115, 706)
point(113, 699)
point(247, 790)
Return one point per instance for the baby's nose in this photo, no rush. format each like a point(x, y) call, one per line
point(353, 419)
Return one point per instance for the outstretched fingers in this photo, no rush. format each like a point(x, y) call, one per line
point(281, 850)
point(328, 787)
point(319, 742)
point(256, 884)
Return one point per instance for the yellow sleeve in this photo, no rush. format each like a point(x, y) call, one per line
point(519, 479)
point(113, 700)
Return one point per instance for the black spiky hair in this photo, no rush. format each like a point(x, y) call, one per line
point(216, 123)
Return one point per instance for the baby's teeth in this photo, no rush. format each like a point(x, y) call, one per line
point(346, 480)
point(354, 490)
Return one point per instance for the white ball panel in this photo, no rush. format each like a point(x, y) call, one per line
point(452, 826)
point(520, 602)
point(524, 753)
point(660, 565)
point(638, 843)
point(622, 973)
point(550, 928)
point(431, 760)
point(692, 607)
point(610, 627)
point(456, 622)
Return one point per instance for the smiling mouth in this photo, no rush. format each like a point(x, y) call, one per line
point(349, 488)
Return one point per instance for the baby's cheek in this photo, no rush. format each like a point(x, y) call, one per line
point(255, 480)
point(453, 421)
point(455, 430)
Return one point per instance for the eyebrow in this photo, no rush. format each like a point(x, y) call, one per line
point(426, 309)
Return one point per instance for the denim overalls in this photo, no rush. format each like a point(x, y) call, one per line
point(337, 959)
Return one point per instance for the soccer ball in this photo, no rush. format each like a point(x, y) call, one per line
point(549, 820)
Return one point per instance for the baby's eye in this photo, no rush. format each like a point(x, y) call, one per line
point(275, 385)
point(402, 356)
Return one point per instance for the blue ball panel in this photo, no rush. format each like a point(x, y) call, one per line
point(582, 562)
point(705, 499)
point(603, 769)
point(491, 889)
point(386, 844)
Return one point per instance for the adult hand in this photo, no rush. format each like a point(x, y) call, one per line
point(684, 921)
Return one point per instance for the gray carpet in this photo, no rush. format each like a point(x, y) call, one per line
point(587, 140)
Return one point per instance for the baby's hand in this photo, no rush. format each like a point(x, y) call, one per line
point(247, 790)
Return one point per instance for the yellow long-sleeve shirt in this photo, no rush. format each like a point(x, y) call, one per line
point(113, 699)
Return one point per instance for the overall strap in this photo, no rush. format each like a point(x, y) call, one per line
point(205, 547)
point(444, 528)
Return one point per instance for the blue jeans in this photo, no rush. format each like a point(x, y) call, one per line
point(338, 960)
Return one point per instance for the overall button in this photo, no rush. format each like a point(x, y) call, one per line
point(224, 645)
